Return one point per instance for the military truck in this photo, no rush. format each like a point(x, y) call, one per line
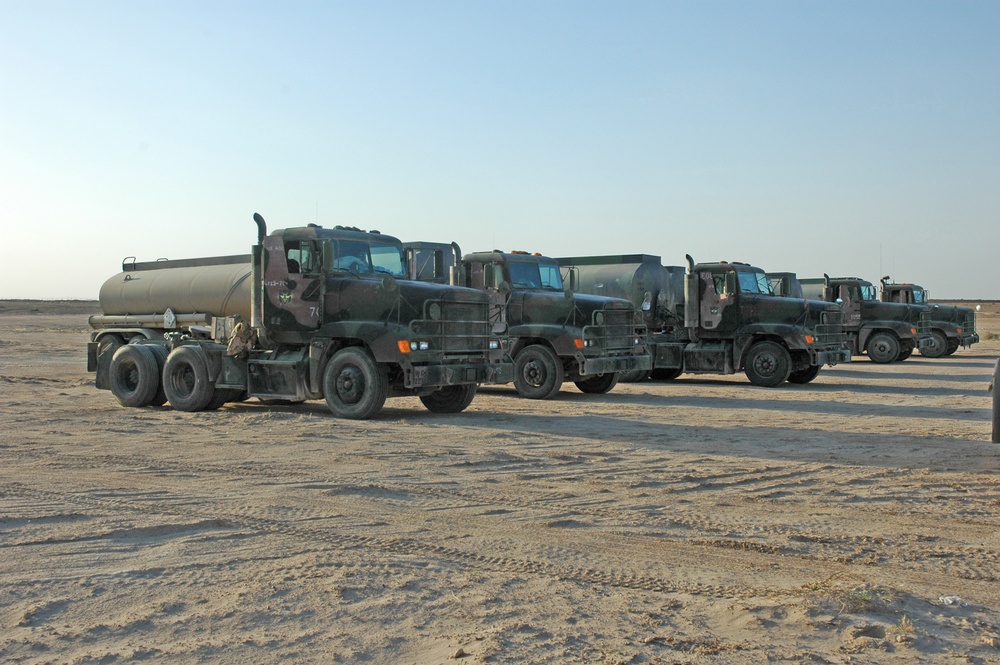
point(887, 332)
point(949, 327)
point(311, 313)
point(718, 318)
point(556, 335)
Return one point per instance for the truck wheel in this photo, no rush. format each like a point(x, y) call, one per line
point(185, 379)
point(450, 399)
point(768, 364)
point(160, 353)
point(666, 373)
point(904, 353)
point(803, 376)
point(355, 386)
point(134, 375)
point(598, 384)
point(634, 376)
point(952, 347)
point(882, 348)
point(538, 373)
point(222, 396)
point(937, 348)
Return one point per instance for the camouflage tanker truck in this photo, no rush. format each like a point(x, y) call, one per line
point(718, 318)
point(311, 313)
point(887, 332)
point(556, 335)
point(949, 327)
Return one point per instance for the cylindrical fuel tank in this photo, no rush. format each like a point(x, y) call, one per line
point(219, 290)
point(663, 285)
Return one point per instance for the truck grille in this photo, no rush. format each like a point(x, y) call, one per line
point(924, 323)
point(830, 330)
point(615, 331)
point(454, 328)
point(969, 326)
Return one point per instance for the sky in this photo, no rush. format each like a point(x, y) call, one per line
point(843, 137)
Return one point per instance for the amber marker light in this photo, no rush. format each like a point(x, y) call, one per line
point(404, 346)
point(809, 339)
point(578, 342)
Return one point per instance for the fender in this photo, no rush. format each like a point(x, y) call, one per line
point(902, 329)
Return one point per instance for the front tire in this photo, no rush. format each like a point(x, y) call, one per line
point(938, 348)
point(883, 348)
point(355, 386)
point(803, 376)
point(538, 374)
point(598, 384)
point(952, 347)
point(633, 376)
point(134, 375)
point(185, 379)
point(450, 399)
point(768, 364)
point(666, 373)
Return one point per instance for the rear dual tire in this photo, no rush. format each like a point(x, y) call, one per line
point(134, 375)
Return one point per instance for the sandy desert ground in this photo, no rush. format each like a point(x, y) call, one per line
point(852, 520)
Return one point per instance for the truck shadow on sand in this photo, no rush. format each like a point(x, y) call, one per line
point(652, 400)
point(937, 453)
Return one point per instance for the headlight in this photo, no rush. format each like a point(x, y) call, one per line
point(494, 344)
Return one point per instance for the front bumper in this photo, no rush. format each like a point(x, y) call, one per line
point(610, 364)
point(831, 357)
point(456, 374)
point(968, 339)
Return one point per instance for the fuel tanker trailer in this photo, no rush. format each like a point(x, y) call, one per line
point(718, 318)
point(310, 313)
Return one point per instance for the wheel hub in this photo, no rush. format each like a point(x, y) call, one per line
point(350, 385)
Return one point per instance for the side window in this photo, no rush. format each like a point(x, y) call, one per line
point(719, 281)
point(302, 256)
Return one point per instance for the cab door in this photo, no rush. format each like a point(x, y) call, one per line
point(293, 284)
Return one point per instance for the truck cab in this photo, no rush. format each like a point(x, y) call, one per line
point(556, 335)
point(887, 332)
point(718, 318)
point(949, 327)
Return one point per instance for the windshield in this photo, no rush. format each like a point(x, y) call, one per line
point(868, 292)
point(360, 257)
point(387, 259)
point(754, 282)
point(525, 275)
point(919, 296)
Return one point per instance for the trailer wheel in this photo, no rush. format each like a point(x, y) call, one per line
point(599, 383)
point(538, 373)
point(666, 373)
point(134, 375)
point(450, 399)
point(355, 386)
point(185, 379)
point(803, 376)
point(768, 364)
point(160, 353)
point(882, 348)
point(938, 348)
